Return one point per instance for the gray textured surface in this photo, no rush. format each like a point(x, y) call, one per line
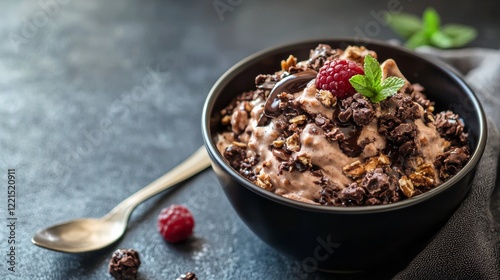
point(99, 98)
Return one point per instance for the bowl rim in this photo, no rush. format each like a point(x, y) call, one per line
point(239, 67)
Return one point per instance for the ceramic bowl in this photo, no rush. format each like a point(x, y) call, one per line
point(347, 239)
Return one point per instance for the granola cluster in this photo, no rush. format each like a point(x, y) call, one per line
point(350, 152)
point(124, 264)
point(187, 276)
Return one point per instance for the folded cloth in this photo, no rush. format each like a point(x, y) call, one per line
point(468, 246)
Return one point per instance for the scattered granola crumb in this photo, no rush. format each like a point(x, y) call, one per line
point(187, 276)
point(124, 264)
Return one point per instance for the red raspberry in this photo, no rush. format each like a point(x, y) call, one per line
point(175, 223)
point(334, 76)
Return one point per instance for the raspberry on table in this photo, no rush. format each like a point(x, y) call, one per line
point(175, 223)
point(334, 76)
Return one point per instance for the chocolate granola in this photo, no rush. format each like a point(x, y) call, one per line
point(296, 140)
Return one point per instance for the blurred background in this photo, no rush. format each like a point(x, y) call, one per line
point(99, 98)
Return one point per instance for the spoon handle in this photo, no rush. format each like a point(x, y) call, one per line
point(197, 162)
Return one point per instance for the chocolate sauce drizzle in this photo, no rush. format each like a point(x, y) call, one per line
point(349, 145)
point(289, 84)
point(297, 81)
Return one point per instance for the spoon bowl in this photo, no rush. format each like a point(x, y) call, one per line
point(85, 235)
point(80, 235)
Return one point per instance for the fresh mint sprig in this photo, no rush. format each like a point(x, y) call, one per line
point(371, 84)
point(428, 30)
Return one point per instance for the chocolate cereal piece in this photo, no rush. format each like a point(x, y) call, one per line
point(187, 276)
point(352, 195)
point(451, 161)
point(360, 109)
point(451, 127)
point(320, 54)
point(124, 264)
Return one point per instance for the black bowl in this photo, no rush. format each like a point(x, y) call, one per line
point(347, 238)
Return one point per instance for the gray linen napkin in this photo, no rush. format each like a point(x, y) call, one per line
point(468, 247)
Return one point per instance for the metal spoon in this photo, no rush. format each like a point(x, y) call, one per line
point(84, 235)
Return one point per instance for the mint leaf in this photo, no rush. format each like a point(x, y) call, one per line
point(393, 82)
point(441, 40)
point(371, 84)
point(459, 34)
point(362, 85)
point(391, 85)
point(373, 72)
point(416, 40)
point(403, 24)
point(380, 97)
point(428, 31)
point(431, 22)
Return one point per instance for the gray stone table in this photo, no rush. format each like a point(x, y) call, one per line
point(99, 98)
